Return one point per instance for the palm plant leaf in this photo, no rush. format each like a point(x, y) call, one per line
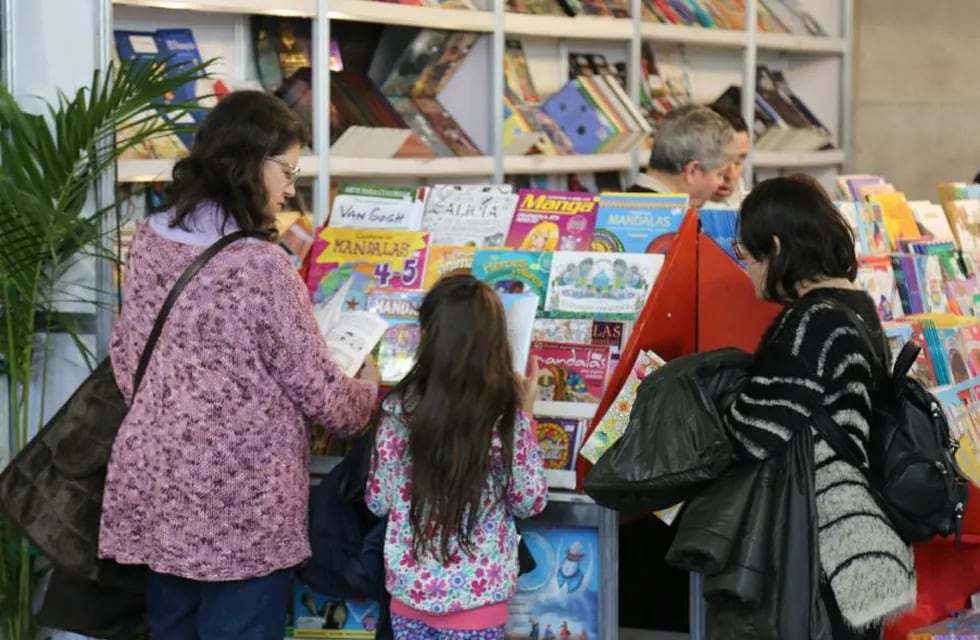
point(51, 165)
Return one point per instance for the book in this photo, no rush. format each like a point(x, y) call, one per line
point(446, 260)
point(399, 343)
point(552, 221)
point(350, 335)
point(613, 423)
point(375, 259)
point(558, 439)
point(514, 271)
point(475, 215)
point(370, 206)
point(560, 597)
point(638, 222)
point(571, 372)
point(520, 310)
point(316, 615)
point(598, 282)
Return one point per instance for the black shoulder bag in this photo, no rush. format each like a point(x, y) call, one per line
point(52, 489)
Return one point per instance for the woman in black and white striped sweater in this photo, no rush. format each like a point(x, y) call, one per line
point(800, 252)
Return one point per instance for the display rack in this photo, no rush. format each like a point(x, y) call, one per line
point(818, 68)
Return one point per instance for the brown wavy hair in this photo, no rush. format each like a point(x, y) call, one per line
point(225, 162)
point(460, 392)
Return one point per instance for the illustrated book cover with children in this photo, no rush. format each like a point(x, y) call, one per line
point(553, 221)
point(559, 600)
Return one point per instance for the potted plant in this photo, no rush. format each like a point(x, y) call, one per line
point(52, 164)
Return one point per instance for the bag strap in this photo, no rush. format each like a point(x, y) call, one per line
point(829, 430)
point(175, 291)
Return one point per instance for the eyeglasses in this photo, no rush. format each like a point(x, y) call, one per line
point(739, 249)
point(291, 172)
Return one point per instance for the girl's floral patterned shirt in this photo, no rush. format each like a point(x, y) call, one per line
point(489, 575)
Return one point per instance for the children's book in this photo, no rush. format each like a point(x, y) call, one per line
point(320, 616)
point(599, 282)
point(613, 424)
point(350, 335)
point(469, 215)
point(877, 277)
point(558, 439)
point(638, 222)
point(370, 206)
point(514, 271)
point(375, 259)
point(398, 346)
point(560, 598)
point(553, 221)
point(520, 309)
point(574, 330)
point(571, 372)
point(444, 260)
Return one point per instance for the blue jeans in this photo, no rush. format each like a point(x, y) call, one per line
point(181, 609)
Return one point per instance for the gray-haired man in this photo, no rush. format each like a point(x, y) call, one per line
point(693, 152)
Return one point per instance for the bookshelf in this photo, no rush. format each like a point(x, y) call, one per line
point(818, 68)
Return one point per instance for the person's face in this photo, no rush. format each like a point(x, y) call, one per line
point(757, 269)
point(279, 178)
point(702, 184)
point(735, 168)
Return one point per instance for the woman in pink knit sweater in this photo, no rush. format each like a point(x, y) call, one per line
point(208, 480)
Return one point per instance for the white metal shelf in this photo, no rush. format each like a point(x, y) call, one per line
point(294, 8)
point(795, 160)
point(161, 170)
point(527, 165)
point(347, 167)
point(699, 36)
point(577, 28)
point(791, 43)
point(409, 15)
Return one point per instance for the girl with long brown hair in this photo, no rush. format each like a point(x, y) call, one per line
point(455, 461)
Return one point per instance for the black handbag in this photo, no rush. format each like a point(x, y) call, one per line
point(51, 491)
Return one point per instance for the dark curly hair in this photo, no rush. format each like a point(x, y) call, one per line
point(225, 163)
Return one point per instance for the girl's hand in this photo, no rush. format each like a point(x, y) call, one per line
point(529, 387)
point(369, 371)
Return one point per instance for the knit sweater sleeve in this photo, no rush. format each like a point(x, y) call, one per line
point(297, 356)
point(815, 357)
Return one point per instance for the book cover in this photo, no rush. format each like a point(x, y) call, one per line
point(350, 335)
point(573, 330)
point(445, 260)
point(598, 282)
point(374, 258)
point(558, 439)
point(559, 600)
point(446, 127)
point(553, 221)
point(399, 343)
point(316, 615)
point(468, 215)
point(514, 271)
point(613, 423)
point(372, 206)
point(638, 223)
point(877, 277)
point(571, 372)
